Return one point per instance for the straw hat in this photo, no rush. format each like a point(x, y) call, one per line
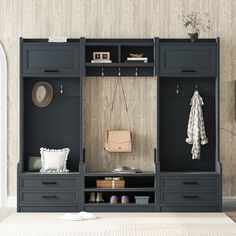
point(42, 94)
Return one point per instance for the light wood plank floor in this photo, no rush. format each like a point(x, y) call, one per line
point(231, 213)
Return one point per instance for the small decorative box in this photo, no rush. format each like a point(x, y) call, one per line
point(110, 183)
point(141, 199)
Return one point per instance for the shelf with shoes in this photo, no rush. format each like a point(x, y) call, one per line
point(123, 190)
point(119, 201)
point(120, 198)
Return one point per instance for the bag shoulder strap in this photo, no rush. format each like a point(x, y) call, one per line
point(119, 80)
point(123, 92)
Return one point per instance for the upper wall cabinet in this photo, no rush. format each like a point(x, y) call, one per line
point(51, 59)
point(188, 59)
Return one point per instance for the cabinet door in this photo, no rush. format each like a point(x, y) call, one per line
point(51, 58)
point(188, 59)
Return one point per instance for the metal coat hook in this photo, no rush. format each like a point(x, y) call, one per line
point(136, 71)
point(119, 74)
point(102, 74)
point(177, 89)
point(196, 88)
point(61, 90)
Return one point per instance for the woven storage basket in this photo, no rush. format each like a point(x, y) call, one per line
point(110, 183)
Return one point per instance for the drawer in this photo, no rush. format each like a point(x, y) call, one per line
point(49, 183)
point(189, 198)
point(51, 58)
point(188, 59)
point(48, 197)
point(187, 183)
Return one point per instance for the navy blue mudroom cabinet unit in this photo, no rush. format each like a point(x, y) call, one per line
point(178, 182)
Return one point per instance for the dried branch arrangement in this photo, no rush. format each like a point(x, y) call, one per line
point(195, 22)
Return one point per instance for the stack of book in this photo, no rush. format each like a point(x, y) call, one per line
point(137, 59)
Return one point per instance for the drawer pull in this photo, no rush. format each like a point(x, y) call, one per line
point(50, 71)
point(190, 196)
point(190, 183)
point(188, 71)
point(47, 183)
point(49, 196)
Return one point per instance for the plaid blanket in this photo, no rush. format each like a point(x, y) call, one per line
point(196, 129)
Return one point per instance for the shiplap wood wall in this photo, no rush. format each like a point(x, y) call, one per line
point(140, 94)
point(118, 18)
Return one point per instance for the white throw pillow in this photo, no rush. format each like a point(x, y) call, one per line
point(54, 160)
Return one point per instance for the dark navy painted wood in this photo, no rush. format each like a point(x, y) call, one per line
point(175, 153)
point(191, 198)
point(119, 208)
point(99, 174)
point(59, 208)
point(185, 181)
point(51, 58)
point(45, 127)
point(119, 51)
point(178, 183)
point(188, 59)
point(190, 208)
point(189, 183)
point(49, 198)
point(49, 183)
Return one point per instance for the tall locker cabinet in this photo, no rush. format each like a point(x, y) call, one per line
point(188, 184)
point(55, 126)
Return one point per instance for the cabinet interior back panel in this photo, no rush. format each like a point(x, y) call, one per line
point(175, 153)
point(141, 100)
point(54, 126)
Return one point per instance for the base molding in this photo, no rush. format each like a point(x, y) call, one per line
point(228, 202)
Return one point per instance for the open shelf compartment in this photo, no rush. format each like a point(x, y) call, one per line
point(43, 126)
point(175, 153)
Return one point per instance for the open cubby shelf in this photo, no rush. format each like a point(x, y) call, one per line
point(119, 51)
point(43, 127)
point(133, 181)
point(178, 157)
point(179, 67)
point(130, 195)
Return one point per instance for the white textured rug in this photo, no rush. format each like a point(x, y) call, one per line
point(120, 224)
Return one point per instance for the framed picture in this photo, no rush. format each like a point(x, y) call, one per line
point(96, 56)
point(102, 56)
point(106, 56)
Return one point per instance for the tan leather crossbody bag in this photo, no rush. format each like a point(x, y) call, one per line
point(118, 141)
